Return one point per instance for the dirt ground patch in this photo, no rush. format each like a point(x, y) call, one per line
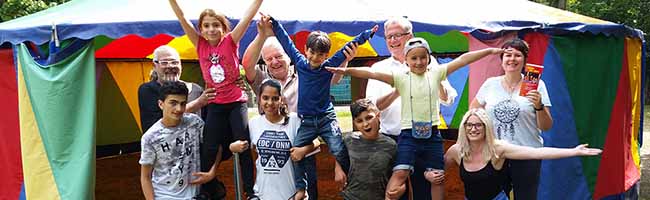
point(119, 178)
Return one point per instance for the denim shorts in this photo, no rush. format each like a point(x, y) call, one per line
point(430, 151)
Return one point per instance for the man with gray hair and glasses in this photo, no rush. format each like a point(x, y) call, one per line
point(167, 67)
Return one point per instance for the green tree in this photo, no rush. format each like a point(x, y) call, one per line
point(11, 9)
point(633, 13)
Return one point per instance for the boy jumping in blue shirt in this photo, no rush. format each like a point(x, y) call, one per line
point(314, 105)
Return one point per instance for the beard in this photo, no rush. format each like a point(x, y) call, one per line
point(170, 74)
point(169, 77)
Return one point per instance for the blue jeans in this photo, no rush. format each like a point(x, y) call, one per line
point(430, 151)
point(310, 171)
point(420, 186)
point(326, 127)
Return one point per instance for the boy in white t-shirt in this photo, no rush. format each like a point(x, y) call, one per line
point(170, 149)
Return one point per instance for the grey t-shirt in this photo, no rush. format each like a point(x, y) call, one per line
point(371, 163)
point(173, 153)
point(195, 91)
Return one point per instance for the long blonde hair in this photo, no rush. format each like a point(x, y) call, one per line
point(488, 150)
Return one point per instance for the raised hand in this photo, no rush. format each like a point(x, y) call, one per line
point(534, 97)
point(375, 28)
point(350, 51)
point(264, 26)
point(499, 50)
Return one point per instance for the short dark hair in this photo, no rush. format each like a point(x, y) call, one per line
point(172, 88)
point(518, 44)
point(361, 105)
point(319, 42)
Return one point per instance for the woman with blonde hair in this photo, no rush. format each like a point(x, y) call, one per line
point(482, 157)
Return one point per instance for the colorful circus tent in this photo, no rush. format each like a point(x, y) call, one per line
point(63, 105)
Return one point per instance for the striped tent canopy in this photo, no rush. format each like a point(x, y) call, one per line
point(593, 71)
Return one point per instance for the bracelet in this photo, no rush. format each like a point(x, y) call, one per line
point(540, 109)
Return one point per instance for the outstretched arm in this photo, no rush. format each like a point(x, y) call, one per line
point(253, 52)
point(241, 27)
point(517, 152)
point(470, 57)
point(363, 72)
point(339, 56)
point(286, 42)
point(350, 52)
point(251, 56)
point(186, 24)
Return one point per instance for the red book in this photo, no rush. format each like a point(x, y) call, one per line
point(532, 75)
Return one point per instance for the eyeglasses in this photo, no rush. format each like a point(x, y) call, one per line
point(167, 62)
point(469, 126)
point(396, 36)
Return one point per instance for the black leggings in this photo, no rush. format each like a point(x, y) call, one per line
point(224, 124)
point(523, 178)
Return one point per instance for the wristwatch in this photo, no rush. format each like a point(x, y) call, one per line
point(538, 109)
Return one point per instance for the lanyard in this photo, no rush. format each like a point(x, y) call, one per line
point(411, 96)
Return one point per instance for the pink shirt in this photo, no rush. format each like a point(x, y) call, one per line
point(220, 68)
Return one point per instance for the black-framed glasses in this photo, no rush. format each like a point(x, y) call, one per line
point(396, 36)
point(469, 126)
point(167, 62)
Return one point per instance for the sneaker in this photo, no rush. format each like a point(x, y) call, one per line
point(252, 197)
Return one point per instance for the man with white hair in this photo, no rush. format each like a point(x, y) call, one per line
point(167, 67)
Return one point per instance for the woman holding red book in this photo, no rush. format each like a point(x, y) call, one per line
point(517, 119)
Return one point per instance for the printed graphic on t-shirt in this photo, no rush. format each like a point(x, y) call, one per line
point(506, 112)
point(216, 71)
point(174, 153)
point(180, 157)
point(273, 148)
